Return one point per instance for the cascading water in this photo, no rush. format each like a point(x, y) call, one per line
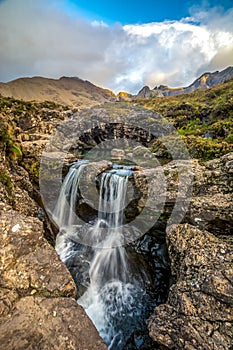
point(113, 295)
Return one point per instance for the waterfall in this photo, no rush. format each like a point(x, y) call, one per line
point(113, 297)
point(64, 212)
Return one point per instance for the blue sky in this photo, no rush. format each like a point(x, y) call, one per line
point(129, 12)
point(138, 11)
point(120, 45)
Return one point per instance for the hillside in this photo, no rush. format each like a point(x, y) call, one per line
point(204, 118)
point(206, 80)
point(72, 92)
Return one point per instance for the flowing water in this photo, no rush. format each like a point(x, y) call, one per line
point(111, 289)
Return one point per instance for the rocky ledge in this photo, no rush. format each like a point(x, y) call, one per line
point(198, 313)
point(37, 305)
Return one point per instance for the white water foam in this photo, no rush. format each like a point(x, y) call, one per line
point(113, 299)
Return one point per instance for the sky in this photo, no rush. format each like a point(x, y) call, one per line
point(121, 45)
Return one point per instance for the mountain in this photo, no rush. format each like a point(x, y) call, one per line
point(73, 92)
point(77, 93)
point(206, 80)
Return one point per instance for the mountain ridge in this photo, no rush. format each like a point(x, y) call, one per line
point(77, 93)
point(206, 80)
point(71, 91)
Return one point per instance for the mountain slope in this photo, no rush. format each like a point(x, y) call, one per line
point(206, 80)
point(73, 91)
point(203, 118)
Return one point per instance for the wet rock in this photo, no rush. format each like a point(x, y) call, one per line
point(198, 313)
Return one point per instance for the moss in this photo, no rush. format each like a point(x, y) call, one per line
point(34, 170)
point(15, 152)
point(207, 149)
point(169, 147)
point(6, 181)
point(229, 138)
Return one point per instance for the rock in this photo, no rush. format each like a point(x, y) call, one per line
point(206, 80)
point(202, 193)
point(117, 153)
point(37, 305)
point(198, 313)
point(145, 92)
point(16, 189)
point(141, 152)
point(166, 191)
point(48, 324)
point(212, 201)
point(28, 262)
point(37, 292)
point(124, 96)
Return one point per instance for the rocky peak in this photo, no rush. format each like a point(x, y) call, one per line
point(206, 80)
point(144, 92)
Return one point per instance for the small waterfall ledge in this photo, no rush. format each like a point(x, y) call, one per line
point(119, 280)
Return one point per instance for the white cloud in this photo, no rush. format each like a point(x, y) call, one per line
point(174, 52)
point(41, 39)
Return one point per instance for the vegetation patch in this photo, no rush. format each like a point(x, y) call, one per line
point(6, 181)
point(204, 119)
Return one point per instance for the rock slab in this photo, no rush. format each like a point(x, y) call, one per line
point(37, 296)
point(199, 310)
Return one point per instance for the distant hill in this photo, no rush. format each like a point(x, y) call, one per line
point(206, 80)
point(72, 92)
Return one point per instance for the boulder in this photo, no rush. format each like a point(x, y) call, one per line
point(38, 305)
point(212, 201)
point(201, 192)
point(48, 324)
point(198, 313)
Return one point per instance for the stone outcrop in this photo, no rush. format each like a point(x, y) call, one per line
point(198, 313)
point(123, 96)
point(212, 200)
point(206, 188)
point(38, 305)
point(49, 324)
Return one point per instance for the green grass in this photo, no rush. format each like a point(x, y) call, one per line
point(204, 119)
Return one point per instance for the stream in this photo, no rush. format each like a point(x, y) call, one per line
point(118, 284)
